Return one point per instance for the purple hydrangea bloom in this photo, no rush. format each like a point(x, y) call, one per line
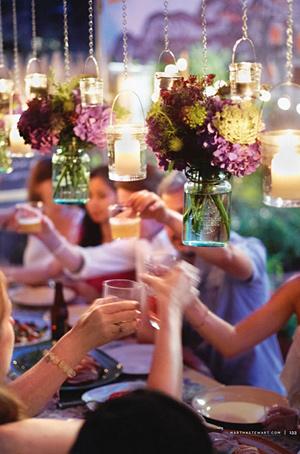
point(239, 160)
point(91, 124)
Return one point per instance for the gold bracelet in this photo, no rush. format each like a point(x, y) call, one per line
point(60, 363)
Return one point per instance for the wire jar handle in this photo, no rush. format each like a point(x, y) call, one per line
point(33, 61)
point(116, 99)
point(91, 59)
point(168, 52)
point(237, 43)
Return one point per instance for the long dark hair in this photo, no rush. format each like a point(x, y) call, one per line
point(91, 234)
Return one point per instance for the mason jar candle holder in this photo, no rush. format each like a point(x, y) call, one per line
point(6, 90)
point(126, 145)
point(90, 84)
point(127, 152)
point(244, 76)
point(36, 82)
point(281, 147)
point(165, 79)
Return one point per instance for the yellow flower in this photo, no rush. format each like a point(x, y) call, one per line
point(194, 116)
point(238, 123)
point(175, 144)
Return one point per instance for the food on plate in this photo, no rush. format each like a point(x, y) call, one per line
point(118, 394)
point(88, 370)
point(28, 331)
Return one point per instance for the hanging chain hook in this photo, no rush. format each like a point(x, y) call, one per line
point(91, 28)
point(16, 56)
point(166, 24)
point(245, 19)
point(125, 38)
point(66, 41)
point(33, 19)
point(289, 42)
point(204, 37)
point(1, 39)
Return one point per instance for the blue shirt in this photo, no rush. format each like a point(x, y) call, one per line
point(233, 300)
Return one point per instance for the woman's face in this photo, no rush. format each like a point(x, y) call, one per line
point(101, 195)
point(7, 336)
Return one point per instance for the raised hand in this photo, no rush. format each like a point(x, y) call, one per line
point(105, 321)
point(148, 205)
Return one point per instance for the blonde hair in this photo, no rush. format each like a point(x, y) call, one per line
point(11, 409)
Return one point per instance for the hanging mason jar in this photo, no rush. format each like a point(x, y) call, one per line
point(91, 86)
point(5, 159)
point(165, 79)
point(244, 76)
point(36, 82)
point(70, 175)
point(6, 90)
point(126, 147)
point(206, 219)
point(280, 143)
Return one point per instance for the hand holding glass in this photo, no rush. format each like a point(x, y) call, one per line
point(123, 289)
point(124, 223)
point(29, 220)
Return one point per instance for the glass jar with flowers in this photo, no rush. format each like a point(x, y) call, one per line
point(58, 124)
point(210, 138)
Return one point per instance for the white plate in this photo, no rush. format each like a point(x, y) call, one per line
point(135, 358)
point(103, 393)
point(46, 336)
point(237, 404)
point(37, 296)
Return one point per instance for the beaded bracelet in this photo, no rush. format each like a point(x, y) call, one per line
point(60, 363)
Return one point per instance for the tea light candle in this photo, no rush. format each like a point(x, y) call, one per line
point(285, 169)
point(127, 155)
point(35, 85)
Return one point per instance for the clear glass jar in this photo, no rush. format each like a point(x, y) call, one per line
point(70, 175)
point(206, 219)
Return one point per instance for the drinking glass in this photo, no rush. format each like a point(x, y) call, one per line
point(29, 221)
point(157, 264)
point(124, 223)
point(123, 289)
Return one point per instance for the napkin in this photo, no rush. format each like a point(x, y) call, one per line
point(290, 375)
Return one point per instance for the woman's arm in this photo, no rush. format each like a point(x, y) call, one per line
point(33, 274)
point(232, 340)
point(171, 294)
point(35, 436)
point(97, 326)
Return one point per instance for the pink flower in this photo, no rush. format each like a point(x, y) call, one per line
point(239, 160)
point(91, 124)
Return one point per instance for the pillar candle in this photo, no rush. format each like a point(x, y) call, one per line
point(127, 155)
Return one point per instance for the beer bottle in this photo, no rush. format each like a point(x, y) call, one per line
point(59, 313)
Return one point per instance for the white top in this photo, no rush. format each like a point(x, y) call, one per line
point(120, 255)
point(36, 253)
point(290, 375)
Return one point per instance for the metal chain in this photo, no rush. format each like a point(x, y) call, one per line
point(125, 39)
point(16, 56)
point(166, 24)
point(33, 19)
point(289, 42)
point(1, 39)
point(91, 28)
point(204, 38)
point(245, 19)
point(66, 41)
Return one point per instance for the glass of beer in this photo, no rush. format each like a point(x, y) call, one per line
point(124, 223)
point(29, 220)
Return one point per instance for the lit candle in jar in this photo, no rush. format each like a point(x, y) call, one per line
point(36, 85)
point(243, 76)
point(91, 91)
point(285, 168)
point(127, 155)
point(17, 144)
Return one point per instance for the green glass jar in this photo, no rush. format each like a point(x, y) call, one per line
point(206, 220)
point(70, 175)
